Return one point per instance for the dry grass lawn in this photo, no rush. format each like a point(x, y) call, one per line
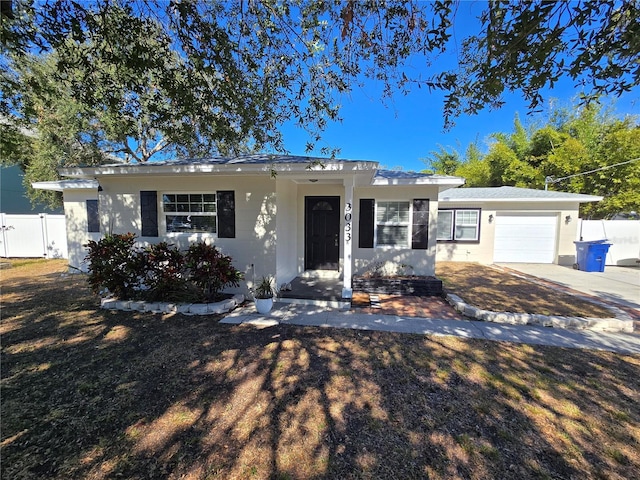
point(99, 395)
point(491, 289)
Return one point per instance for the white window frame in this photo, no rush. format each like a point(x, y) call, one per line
point(453, 234)
point(449, 238)
point(408, 224)
point(189, 213)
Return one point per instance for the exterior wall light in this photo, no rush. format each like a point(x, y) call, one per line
point(567, 219)
point(491, 218)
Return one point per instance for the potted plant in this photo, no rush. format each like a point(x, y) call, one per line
point(263, 295)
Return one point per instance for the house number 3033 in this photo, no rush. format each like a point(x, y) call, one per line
point(347, 222)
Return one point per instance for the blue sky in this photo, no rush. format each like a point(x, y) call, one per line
point(408, 128)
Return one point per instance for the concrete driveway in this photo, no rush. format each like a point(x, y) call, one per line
point(620, 285)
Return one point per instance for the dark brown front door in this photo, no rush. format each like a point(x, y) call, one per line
point(322, 233)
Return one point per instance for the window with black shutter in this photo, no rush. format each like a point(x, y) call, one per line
point(190, 212)
point(149, 213)
point(420, 224)
point(393, 222)
point(202, 212)
point(93, 219)
point(366, 223)
point(226, 214)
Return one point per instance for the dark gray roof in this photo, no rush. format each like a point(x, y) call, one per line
point(511, 193)
point(255, 159)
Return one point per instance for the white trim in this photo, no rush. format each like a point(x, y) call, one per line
point(447, 182)
point(61, 185)
point(224, 168)
point(347, 239)
point(301, 171)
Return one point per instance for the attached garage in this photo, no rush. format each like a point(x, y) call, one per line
point(525, 238)
point(512, 225)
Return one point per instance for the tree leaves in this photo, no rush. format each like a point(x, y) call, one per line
point(229, 72)
point(528, 46)
point(585, 142)
point(195, 78)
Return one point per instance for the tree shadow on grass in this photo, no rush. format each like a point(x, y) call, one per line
point(94, 394)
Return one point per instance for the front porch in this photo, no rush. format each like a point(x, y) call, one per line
point(322, 288)
point(325, 288)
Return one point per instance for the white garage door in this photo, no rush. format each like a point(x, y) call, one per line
point(525, 238)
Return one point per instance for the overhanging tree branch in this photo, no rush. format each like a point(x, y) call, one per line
point(235, 71)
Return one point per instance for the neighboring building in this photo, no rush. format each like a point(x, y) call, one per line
point(28, 230)
point(342, 216)
point(508, 224)
point(13, 194)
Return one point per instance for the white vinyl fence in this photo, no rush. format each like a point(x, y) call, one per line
point(39, 235)
point(624, 235)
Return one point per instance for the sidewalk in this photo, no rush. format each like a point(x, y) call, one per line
point(306, 315)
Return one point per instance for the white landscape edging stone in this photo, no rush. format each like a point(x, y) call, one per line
point(183, 308)
point(621, 323)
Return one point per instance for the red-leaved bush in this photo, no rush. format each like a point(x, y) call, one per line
point(159, 272)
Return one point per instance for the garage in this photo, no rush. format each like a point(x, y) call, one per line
point(525, 238)
point(515, 225)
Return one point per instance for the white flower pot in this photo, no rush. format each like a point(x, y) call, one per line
point(264, 305)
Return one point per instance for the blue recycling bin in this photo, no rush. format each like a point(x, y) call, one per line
point(591, 255)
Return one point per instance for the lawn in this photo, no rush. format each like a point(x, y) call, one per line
point(93, 394)
point(492, 289)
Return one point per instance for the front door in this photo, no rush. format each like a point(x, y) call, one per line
point(322, 233)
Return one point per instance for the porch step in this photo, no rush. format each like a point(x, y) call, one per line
point(321, 274)
point(342, 303)
point(319, 290)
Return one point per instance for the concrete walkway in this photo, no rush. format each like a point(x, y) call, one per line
point(306, 315)
point(619, 285)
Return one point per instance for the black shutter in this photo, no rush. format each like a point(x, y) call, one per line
point(149, 213)
point(420, 230)
point(226, 214)
point(93, 220)
point(365, 224)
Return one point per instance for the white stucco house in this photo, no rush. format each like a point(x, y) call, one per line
point(313, 215)
point(508, 225)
